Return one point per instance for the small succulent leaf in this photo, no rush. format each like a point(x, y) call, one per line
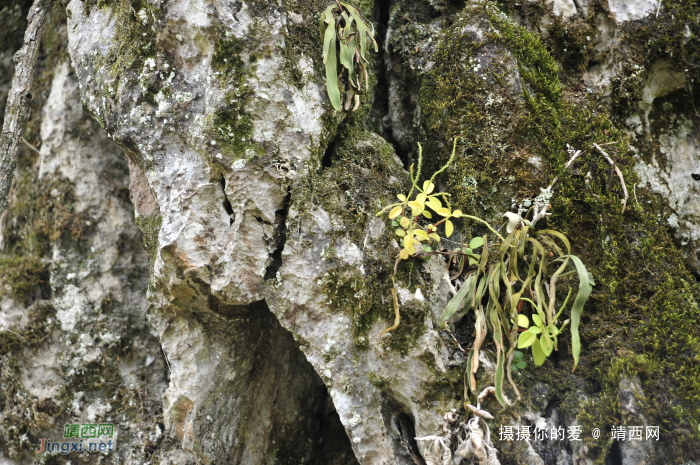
point(521, 364)
point(517, 355)
point(449, 228)
point(403, 255)
point(420, 198)
point(434, 237)
point(429, 189)
point(405, 222)
point(534, 329)
point(427, 214)
point(514, 367)
point(426, 248)
point(396, 211)
point(443, 212)
point(400, 232)
point(476, 242)
point(523, 322)
point(526, 339)
point(401, 197)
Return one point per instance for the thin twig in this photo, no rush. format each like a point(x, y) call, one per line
point(19, 97)
point(619, 175)
point(658, 7)
point(30, 146)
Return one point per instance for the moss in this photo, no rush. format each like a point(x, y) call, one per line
point(150, 226)
point(645, 298)
point(378, 381)
point(22, 274)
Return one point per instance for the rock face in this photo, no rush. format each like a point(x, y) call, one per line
point(270, 274)
point(76, 347)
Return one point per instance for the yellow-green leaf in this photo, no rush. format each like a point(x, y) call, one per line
point(401, 197)
point(434, 237)
point(449, 228)
point(429, 189)
point(443, 212)
point(396, 211)
point(416, 206)
point(408, 240)
point(400, 232)
point(523, 322)
point(420, 198)
point(405, 222)
point(427, 214)
point(537, 353)
point(421, 235)
point(526, 339)
point(403, 254)
point(434, 203)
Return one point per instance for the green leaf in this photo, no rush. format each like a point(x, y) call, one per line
point(329, 58)
point(523, 322)
point(521, 364)
point(585, 287)
point(517, 355)
point(534, 329)
point(476, 242)
point(427, 214)
point(453, 304)
point(514, 367)
point(362, 32)
point(547, 346)
point(537, 319)
point(537, 354)
point(395, 224)
point(396, 211)
point(526, 339)
point(443, 212)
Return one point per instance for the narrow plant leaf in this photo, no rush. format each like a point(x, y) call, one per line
point(331, 67)
point(453, 304)
point(584, 290)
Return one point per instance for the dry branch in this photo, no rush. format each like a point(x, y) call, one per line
point(19, 97)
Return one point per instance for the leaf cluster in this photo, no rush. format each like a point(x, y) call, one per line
point(346, 35)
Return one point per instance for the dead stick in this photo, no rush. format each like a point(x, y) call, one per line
point(619, 175)
point(19, 97)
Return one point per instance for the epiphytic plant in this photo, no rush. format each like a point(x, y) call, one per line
point(347, 35)
point(512, 277)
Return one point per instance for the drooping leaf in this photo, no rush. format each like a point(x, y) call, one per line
point(585, 287)
point(329, 58)
point(547, 345)
point(537, 354)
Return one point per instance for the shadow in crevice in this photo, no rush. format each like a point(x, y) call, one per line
point(267, 396)
point(401, 431)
